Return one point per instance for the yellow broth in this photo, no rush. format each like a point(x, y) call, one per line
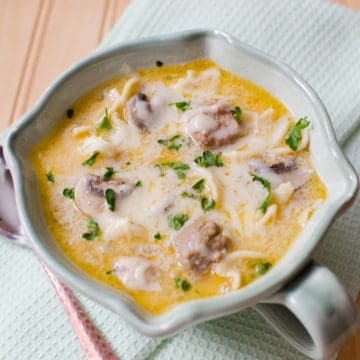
point(59, 153)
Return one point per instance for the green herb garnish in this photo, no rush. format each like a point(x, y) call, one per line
point(186, 194)
point(178, 167)
point(94, 230)
point(262, 268)
point(218, 161)
point(159, 63)
point(171, 143)
point(206, 203)
point(237, 113)
point(199, 186)
point(182, 284)
point(157, 236)
point(128, 163)
point(174, 147)
point(161, 170)
point(91, 160)
point(50, 176)
point(266, 184)
point(70, 113)
point(207, 159)
point(138, 183)
point(110, 198)
point(109, 272)
point(109, 173)
point(105, 124)
point(176, 221)
point(295, 133)
point(69, 193)
point(181, 105)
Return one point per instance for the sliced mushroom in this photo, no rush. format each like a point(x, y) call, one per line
point(285, 166)
point(285, 171)
point(137, 273)
point(138, 111)
point(90, 190)
point(199, 245)
point(213, 125)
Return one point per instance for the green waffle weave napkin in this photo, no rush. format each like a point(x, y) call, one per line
point(318, 39)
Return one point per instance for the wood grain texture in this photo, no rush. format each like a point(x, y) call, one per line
point(44, 37)
point(70, 30)
point(16, 35)
point(351, 349)
point(353, 4)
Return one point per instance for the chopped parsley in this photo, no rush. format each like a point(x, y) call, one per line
point(157, 236)
point(91, 160)
point(182, 284)
point(199, 186)
point(295, 133)
point(218, 161)
point(94, 230)
point(159, 63)
point(161, 170)
point(186, 194)
point(262, 268)
point(138, 183)
point(171, 143)
point(50, 176)
point(176, 221)
point(69, 193)
point(182, 105)
point(206, 203)
point(266, 184)
point(178, 167)
point(70, 113)
point(105, 124)
point(128, 163)
point(174, 147)
point(110, 198)
point(109, 173)
point(207, 159)
point(237, 113)
point(109, 272)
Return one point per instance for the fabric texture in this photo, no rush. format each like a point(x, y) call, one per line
point(321, 41)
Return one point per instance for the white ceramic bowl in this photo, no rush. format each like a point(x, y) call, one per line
point(304, 301)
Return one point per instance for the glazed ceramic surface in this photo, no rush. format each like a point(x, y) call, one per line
point(329, 161)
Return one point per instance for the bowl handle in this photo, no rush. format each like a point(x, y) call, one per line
point(313, 312)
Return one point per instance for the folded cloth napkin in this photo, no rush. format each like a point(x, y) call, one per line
point(318, 39)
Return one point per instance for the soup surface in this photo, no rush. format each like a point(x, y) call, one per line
point(177, 182)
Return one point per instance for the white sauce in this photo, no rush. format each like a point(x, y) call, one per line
point(137, 273)
point(146, 209)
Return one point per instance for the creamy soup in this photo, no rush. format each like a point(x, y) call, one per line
point(177, 182)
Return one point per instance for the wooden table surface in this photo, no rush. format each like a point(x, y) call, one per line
point(39, 39)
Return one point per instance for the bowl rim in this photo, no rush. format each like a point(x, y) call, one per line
point(183, 314)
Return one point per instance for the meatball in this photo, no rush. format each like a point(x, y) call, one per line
point(199, 245)
point(214, 125)
point(137, 273)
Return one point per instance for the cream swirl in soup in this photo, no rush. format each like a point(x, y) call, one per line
point(177, 182)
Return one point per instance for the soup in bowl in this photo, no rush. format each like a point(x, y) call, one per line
point(182, 179)
point(177, 182)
